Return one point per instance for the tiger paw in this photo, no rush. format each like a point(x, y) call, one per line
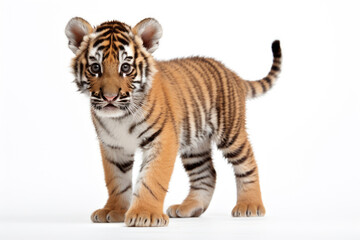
point(106, 215)
point(185, 210)
point(144, 218)
point(248, 209)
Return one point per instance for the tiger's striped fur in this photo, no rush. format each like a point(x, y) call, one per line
point(163, 108)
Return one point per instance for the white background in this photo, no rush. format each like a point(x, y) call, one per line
point(305, 131)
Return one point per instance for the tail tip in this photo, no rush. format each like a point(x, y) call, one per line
point(276, 49)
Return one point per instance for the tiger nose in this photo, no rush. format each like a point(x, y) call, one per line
point(110, 97)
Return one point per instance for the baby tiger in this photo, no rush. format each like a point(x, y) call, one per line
point(163, 108)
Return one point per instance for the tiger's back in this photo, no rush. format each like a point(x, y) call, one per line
point(211, 97)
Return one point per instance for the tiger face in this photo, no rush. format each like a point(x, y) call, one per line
point(113, 63)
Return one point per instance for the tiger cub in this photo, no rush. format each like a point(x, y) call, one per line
point(163, 108)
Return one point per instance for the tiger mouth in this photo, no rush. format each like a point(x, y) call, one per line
point(110, 106)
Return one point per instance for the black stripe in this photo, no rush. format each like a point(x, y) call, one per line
point(195, 155)
point(207, 168)
point(162, 188)
point(123, 41)
point(150, 158)
point(115, 37)
point(263, 86)
point(275, 47)
point(112, 25)
point(235, 130)
point(112, 146)
point(76, 67)
point(124, 36)
point(144, 58)
point(268, 80)
point(115, 47)
point(189, 167)
point(152, 137)
point(246, 174)
point(248, 182)
point(241, 160)
point(97, 42)
point(151, 126)
point(212, 131)
point(100, 48)
point(207, 184)
point(102, 38)
point(198, 188)
point(125, 189)
point(275, 68)
point(231, 142)
point(131, 129)
point(199, 178)
point(151, 192)
point(120, 27)
point(136, 54)
point(147, 67)
point(105, 34)
point(141, 71)
point(81, 71)
point(112, 192)
point(101, 28)
point(236, 152)
point(253, 91)
point(123, 167)
point(222, 144)
point(102, 125)
point(106, 55)
point(212, 171)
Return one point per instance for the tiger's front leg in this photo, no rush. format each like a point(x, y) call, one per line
point(159, 156)
point(118, 175)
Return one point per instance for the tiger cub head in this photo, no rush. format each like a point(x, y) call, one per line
point(113, 62)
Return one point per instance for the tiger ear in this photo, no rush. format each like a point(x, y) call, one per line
point(75, 31)
point(150, 32)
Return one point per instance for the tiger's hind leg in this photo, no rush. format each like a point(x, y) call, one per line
point(199, 167)
point(241, 156)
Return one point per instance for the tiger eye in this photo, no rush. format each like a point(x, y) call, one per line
point(125, 68)
point(95, 68)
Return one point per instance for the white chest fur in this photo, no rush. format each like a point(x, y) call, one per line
point(114, 132)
